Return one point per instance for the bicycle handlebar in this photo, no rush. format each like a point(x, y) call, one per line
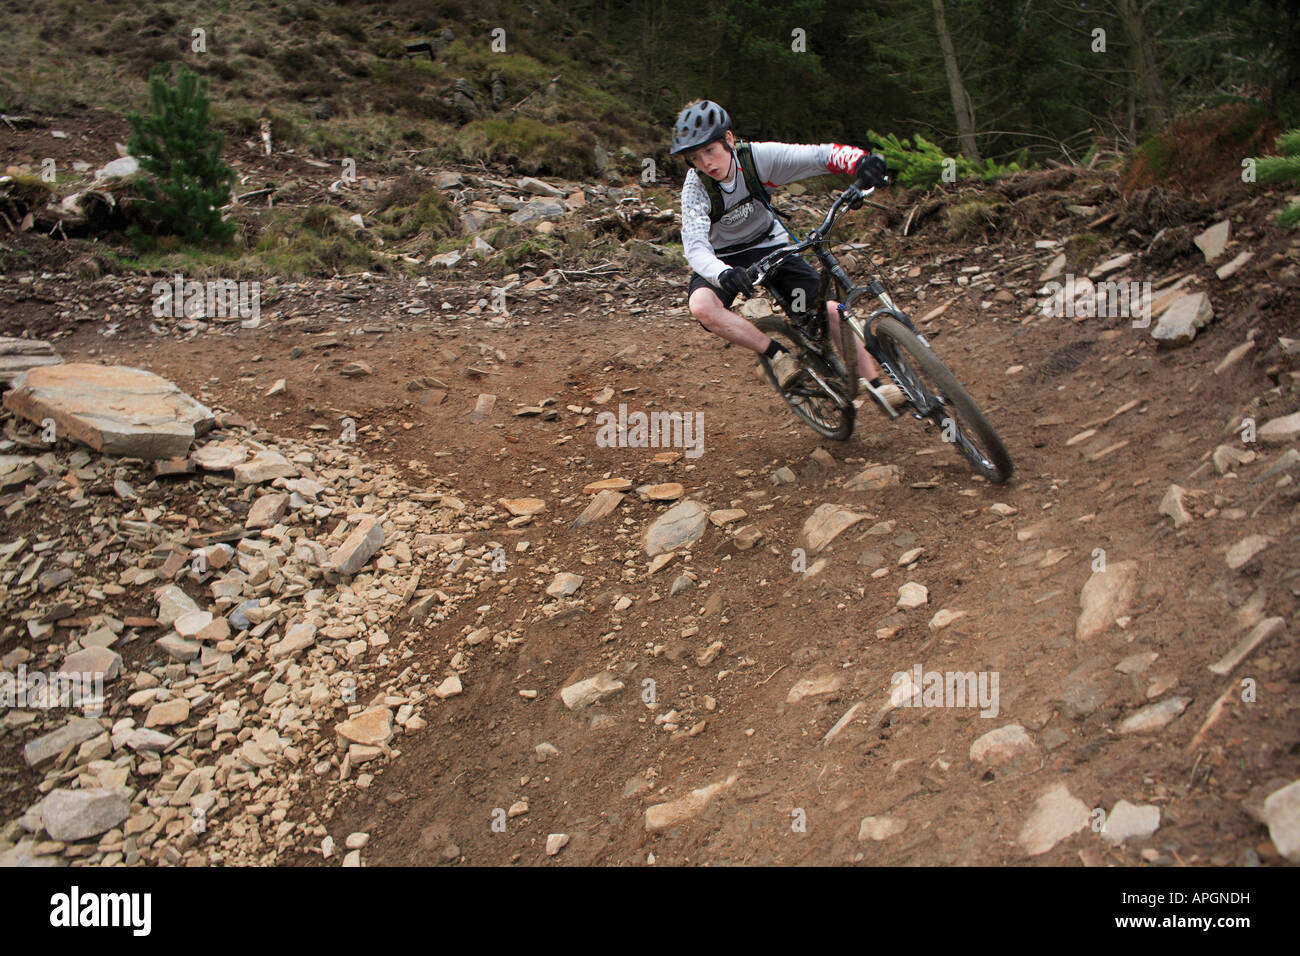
point(853, 196)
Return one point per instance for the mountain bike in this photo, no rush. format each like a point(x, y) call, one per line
point(823, 392)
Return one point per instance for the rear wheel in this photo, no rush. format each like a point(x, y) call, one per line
point(927, 382)
point(828, 413)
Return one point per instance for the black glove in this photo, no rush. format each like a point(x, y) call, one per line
point(735, 281)
point(870, 170)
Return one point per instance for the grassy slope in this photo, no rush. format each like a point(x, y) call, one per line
point(297, 62)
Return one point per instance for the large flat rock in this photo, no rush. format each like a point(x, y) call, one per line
point(114, 409)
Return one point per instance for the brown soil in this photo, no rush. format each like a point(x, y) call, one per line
point(477, 754)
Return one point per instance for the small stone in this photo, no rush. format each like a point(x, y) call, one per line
point(880, 828)
point(912, 595)
point(668, 491)
point(70, 815)
point(178, 648)
point(1179, 323)
point(1002, 746)
point(782, 476)
point(92, 664)
point(1280, 431)
point(192, 624)
point(448, 688)
point(1153, 717)
point(545, 751)
point(1129, 822)
point(1172, 505)
point(564, 584)
point(725, 516)
point(356, 841)
point(215, 632)
point(168, 713)
point(1234, 356)
point(172, 603)
point(1105, 596)
point(1241, 553)
point(555, 842)
point(607, 484)
point(677, 528)
point(826, 523)
point(218, 456)
point(873, 478)
point(1261, 632)
point(1056, 815)
point(372, 727)
point(663, 816)
point(266, 511)
point(1282, 815)
point(587, 692)
point(604, 503)
point(360, 546)
point(1213, 240)
point(72, 734)
point(1137, 663)
point(298, 638)
point(266, 465)
point(810, 687)
point(944, 617)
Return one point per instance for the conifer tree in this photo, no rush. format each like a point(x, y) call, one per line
point(176, 145)
point(1284, 168)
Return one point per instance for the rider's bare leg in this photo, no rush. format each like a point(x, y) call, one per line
point(707, 307)
point(867, 367)
point(709, 310)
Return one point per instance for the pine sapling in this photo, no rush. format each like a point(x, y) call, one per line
point(182, 153)
point(1284, 168)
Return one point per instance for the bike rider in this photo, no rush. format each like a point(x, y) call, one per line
point(727, 225)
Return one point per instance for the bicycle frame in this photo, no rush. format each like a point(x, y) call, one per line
point(849, 292)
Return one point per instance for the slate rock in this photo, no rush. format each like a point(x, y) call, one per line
point(117, 410)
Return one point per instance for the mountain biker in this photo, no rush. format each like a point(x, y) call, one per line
point(727, 226)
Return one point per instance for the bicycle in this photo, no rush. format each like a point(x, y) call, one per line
point(823, 392)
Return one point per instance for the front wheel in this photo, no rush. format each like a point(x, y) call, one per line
point(935, 392)
point(826, 410)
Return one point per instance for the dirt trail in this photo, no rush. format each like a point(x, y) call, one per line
point(1016, 578)
point(1098, 421)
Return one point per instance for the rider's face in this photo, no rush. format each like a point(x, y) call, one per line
point(715, 158)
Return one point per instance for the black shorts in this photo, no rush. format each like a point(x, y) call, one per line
point(793, 273)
